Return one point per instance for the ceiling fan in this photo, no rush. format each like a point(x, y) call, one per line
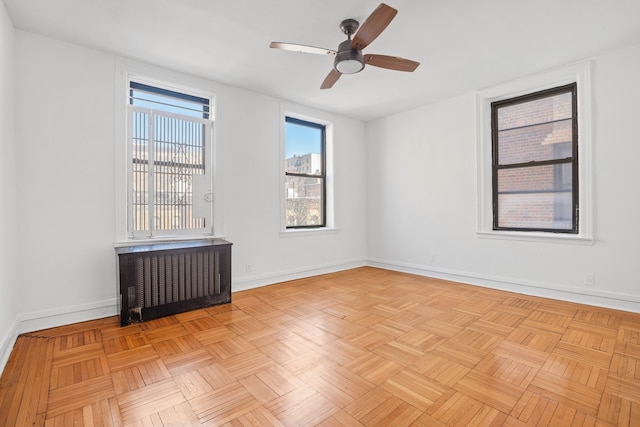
point(349, 59)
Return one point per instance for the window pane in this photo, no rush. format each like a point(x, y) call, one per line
point(179, 154)
point(303, 149)
point(535, 178)
point(543, 110)
point(304, 201)
point(535, 211)
point(534, 143)
point(535, 197)
point(310, 164)
point(156, 98)
point(162, 177)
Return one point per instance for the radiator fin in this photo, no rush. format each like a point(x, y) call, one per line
point(167, 278)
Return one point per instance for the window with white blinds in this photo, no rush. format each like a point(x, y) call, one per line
point(170, 158)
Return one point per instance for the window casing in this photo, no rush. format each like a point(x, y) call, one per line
point(578, 73)
point(169, 151)
point(305, 174)
point(535, 162)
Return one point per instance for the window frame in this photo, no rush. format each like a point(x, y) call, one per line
point(323, 172)
point(125, 71)
point(153, 231)
point(579, 73)
point(572, 159)
point(312, 115)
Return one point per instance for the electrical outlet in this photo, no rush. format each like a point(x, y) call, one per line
point(433, 258)
point(589, 279)
point(247, 268)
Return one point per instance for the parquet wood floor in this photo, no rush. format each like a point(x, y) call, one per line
point(361, 347)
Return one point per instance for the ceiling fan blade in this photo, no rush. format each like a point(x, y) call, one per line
point(391, 62)
point(302, 48)
point(330, 80)
point(373, 26)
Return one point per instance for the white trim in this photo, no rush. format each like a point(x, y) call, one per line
point(594, 297)
point(535, 237)
point(250, 282)
point(7, 344)
point(37, 321)
point(166, 239)
point(580, 74)
point(297, 232)
point(302, 113)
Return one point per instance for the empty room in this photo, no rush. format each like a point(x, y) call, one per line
point(336, 213)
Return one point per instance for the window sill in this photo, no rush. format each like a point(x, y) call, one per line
point(537, 237)
point(309, 232)
point(151, 240)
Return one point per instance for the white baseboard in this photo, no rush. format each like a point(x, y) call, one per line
point(256, 281)
point(38, 320)
point(7, 343)
point(34, 321)
point(588, 296)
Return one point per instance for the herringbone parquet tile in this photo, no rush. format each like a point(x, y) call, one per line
point(364, 347)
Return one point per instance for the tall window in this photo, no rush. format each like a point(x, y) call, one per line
point(535, 162)
point(169, 136)
point(305, 173)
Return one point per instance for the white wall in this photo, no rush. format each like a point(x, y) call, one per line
point(252, 125)
point(8, 232)
point(422, 175)
point(66, 130)
point(65, 136)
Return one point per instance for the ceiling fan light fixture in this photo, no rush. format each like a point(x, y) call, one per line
point(349, 66)
point(348, 60)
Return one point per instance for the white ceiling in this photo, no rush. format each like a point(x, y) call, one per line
point(463, 45)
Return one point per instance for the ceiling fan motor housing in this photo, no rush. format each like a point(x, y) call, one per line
point(348, 60)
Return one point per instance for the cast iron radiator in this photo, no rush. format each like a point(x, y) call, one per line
point(167, 278)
